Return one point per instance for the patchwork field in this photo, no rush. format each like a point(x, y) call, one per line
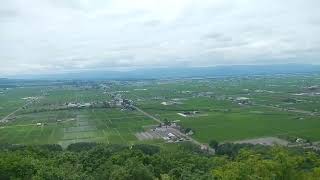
point(99, 125)
point(282, 106)
point(42, 122)
point(268, 114)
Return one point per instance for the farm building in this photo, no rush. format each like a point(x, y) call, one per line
point(242, 100)
point(71, 105)
point(189, 113)
point(313, 88)
point(78, 105)
point(171, 103)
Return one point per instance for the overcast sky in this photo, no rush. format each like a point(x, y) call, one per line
point(45, 36)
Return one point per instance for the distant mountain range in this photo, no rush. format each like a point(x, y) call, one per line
point(189, 72)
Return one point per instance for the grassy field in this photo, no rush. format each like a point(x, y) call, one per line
point(11, 99)
point(99, 125)
point(108, 125)
point(225, 120)
point(221, 117)
point(242, 122)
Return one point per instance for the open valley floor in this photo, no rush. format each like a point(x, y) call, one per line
point(225, 109)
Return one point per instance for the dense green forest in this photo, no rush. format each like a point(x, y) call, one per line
point(185, 161)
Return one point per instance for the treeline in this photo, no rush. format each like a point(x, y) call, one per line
point(88, 161)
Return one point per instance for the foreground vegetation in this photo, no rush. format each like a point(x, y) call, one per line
point(185, 161)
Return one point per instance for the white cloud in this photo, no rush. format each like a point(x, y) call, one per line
point(38, 36)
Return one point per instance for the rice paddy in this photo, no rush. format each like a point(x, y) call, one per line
point(277, 107)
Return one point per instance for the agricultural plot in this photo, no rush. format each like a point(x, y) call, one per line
point(278, 106)
point(41, 122)
point(119, 126)
point(12, 99)
point(96, 125)
point(266, 115)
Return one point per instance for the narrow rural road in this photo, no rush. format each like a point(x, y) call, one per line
point(147, 114)
point(12, 113)
point(175, 130)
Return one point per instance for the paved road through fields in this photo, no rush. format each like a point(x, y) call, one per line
point(12, 113)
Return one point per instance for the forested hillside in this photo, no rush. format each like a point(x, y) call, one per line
point(98, 161)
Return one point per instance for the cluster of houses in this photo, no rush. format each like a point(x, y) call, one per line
point(186, 92)
point(313, 88)
point(157, 98)
point(3, 90)
point(168, 103)
point(79, 105)
point(309, 91)
point(32, 98)
point(168, 133)
point(189, 113)
point(240, 100)
point(118, 101)
point(205, 94)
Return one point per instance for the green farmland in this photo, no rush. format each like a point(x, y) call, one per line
point(109, 126)
point(283, 107)
point(64, 127)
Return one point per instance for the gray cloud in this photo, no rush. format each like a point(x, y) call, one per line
point(45, 36)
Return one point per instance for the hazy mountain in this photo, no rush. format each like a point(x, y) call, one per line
point(160, 73)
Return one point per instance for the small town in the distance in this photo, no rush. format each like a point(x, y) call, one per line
point(224, 127)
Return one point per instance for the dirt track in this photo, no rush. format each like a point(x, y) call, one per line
point(12, 113)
